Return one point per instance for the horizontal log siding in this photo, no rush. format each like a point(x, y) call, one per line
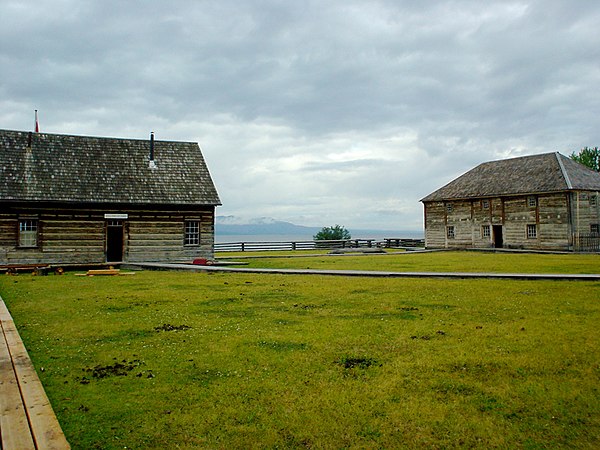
point(517, 215)
point(79, 235)
point(460, 219)
point(71, 241)
point(59, 241)
point(8, 230)
point(550, 215)
point(483, 215)
point(585, 212)
point(162, 239)
point(553, 222)
point(435, 225)
point(155, 240)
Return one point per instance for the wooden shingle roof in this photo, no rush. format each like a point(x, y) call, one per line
point(544, 173)
point(63, 168)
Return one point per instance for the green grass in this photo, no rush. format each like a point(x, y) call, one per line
point(180, 360)
point(433, 262)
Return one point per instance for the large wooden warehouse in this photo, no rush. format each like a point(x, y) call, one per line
point(75, 199)
point(545, 201)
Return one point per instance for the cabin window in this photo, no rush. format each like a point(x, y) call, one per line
point(595, 228)
point(531, 231)
point(28, 233)
point(485, 231)
point(449, 207)
point(450, 232)
point(532, 201)
point(593, 200)
point(485, 204)
point(192, 232)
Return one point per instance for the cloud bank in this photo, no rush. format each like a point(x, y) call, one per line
point(313, 112)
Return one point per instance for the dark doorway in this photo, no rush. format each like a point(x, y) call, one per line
point(498, 240)
point(114, 241)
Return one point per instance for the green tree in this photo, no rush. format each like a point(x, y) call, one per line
point(589, 157)
point(332, 233)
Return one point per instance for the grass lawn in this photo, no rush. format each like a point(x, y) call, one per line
point(452, 261)
point(216, 360)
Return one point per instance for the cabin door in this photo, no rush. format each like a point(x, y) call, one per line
point(114, 241)
point(498, 239)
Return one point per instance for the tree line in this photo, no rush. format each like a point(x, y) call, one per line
point(589, 157)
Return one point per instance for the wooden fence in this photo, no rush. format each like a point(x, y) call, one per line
point(313, 245)
point(586, 242)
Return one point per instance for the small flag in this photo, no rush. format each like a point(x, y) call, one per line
point(37, 123)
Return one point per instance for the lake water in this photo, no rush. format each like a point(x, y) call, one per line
point(220, 238)
point(262, 238)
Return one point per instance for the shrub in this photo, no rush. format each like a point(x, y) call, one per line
point(335, 232)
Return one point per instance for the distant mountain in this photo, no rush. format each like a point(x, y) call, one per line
point(226, 225)
point(233, 225)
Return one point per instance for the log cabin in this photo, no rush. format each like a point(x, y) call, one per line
point(79, 200)
point(537, 202)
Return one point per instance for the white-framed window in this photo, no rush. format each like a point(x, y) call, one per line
point(192, 232)
point(485, 231)
point(485, 204)
point(595, 228)
point(450, 232)
point(532, 201)
point(449, 207)
point(28, 233)
point(531, 231)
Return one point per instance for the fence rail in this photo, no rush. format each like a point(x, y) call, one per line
point(586, 242)
point(313, 245)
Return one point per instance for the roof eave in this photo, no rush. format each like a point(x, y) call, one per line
point(490, 196)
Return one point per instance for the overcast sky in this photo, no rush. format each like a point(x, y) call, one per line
point(313, 112)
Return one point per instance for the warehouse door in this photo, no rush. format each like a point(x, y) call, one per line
point(114, 241)
point(498, 239)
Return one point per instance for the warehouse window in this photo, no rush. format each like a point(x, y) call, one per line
point(531, 231)
point(192, 232)
point(28, 233)
point(485, 231)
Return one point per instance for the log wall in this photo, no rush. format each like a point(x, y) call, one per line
point(556, 217)
point(77, 235)
point(435, 225)
point(585, 210)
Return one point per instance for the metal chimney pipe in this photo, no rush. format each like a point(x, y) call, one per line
point(152, 164)
point(152, 146)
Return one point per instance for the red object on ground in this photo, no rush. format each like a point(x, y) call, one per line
point(200, 262)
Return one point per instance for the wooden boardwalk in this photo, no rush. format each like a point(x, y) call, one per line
point(371, 273)
point(27, 420)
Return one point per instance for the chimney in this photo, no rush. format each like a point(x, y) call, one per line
point(152, 164)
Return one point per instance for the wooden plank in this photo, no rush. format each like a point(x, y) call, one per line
point(47, 433)
point(14, 427)
point(103, 272)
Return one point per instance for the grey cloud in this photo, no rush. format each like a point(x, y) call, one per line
point(259, 82)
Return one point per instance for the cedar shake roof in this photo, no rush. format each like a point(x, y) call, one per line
point(62, 168)
point(548, 172)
